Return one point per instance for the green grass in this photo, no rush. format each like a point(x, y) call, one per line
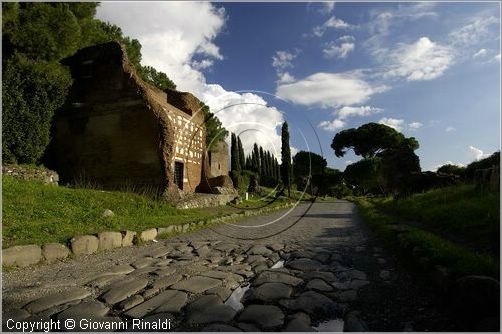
point(36, 213)
point(402, 238)
point(462, 212)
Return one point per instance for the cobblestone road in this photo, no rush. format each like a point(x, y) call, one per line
point(331, 270)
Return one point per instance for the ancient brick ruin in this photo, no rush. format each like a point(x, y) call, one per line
point(117, 131)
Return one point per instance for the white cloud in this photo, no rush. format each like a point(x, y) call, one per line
point(327, 7)
point(422, 60)
point(333, 50)
point(331, 23)
point(203, 64)
point(332, 125)
point(415, 125)
point(477, 30)
point(346, 38)
point(329, 90)
point(497, 58)
point(477, 153)
point(450, 129)
point(283, 60)
point(382, 22)
point(396, 124)
point(169, 43)
point(480, 53)
point(285, 78)
point(348, 111)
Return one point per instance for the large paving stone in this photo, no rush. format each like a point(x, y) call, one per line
point(143, 262)
point(305, 264)
point(312, 303)
point(21, 256)
point(166, 281)
point(197, 284)
point(203, 251)
point(54, 251)
point(130, 302)
point(123, 289)
point(319, 285)
point(357, 274)
point(88, 309)
point(259, 250)
point(269, 291)
point(271, 276)
point(103, 280)
point(207, 309)
point(122, 269)
point(55, 299)
point(148, 235)
point(128, 238)
point(222, 292)
point(356, 284)
point(220, 328)
point(15, 314)
point(299, 322)
point(226, 276)
point(324, 275)
point(265, 316)
point(167, 301)
point(84, 245)
point(109, 240)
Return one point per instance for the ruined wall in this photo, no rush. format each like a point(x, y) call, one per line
point(189, 145)
point(218, 159)
point(106, 134)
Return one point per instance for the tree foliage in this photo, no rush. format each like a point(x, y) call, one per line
point(286, 158)
point(389, 157)
point(369, 140)
point(215, 132)
point(156, 78)
point(492, 160)
point(450, 169)
point(308, 164)
point(32, 91)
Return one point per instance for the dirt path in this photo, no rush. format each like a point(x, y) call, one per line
point(333, 269)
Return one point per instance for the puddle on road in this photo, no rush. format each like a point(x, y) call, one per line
point(279, 264)
point(335, 325)
point(234, 301)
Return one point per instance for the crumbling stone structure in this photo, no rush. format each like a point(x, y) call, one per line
point(117, 131)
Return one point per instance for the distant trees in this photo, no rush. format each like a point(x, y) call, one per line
point(389, 157)
point(286, 158)
point(260, 164)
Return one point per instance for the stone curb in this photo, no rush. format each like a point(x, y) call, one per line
point(27, 255)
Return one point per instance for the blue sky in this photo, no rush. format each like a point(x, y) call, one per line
point(430, 70)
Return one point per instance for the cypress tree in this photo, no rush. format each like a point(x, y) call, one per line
point(234, 156)
point(286, 158)
point(270, 165)
point(262, 163)
point(242, 157)
point(256, 159)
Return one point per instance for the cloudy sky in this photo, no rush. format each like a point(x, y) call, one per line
point(430, 70)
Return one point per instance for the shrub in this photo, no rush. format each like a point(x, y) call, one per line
point(31, 92)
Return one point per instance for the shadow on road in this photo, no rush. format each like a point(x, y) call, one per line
point(329, 215)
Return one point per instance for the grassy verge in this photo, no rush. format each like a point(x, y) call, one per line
point(419, 245)
point(34, 213)
point(465, 214)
